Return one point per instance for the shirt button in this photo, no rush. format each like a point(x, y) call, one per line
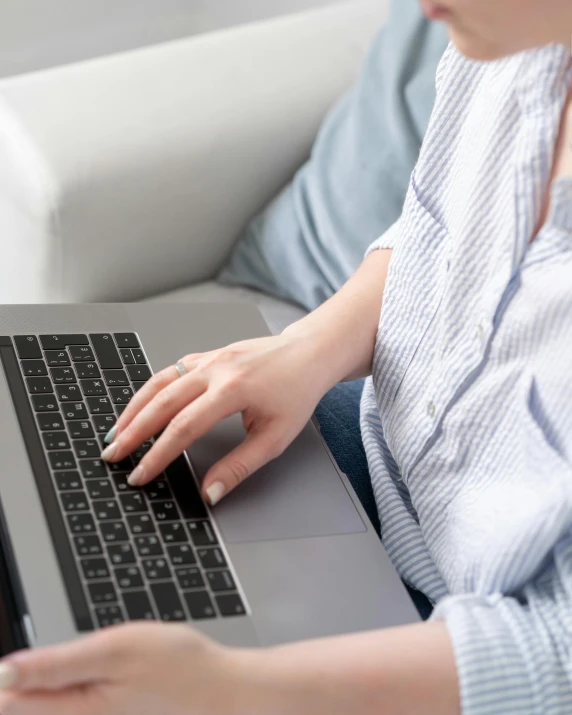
point(431, 410)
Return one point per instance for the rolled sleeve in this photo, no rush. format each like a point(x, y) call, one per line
point(387, 240)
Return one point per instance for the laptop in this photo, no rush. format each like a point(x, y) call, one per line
point(289, 555)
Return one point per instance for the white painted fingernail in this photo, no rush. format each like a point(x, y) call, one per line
point(108, 452)
point(110, 436)
point(215, 492)
point(136, 476)
point(7, 675)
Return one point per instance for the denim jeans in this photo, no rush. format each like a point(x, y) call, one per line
point(338, 415)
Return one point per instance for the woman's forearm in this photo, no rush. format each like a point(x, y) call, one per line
point(346, 325)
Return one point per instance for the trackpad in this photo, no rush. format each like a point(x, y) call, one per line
point(298, 495)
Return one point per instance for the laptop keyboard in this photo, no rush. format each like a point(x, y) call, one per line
point(125, 554)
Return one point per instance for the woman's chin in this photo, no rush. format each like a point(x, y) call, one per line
point(476, 48)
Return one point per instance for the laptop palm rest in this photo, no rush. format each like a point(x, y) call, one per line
point(298, 495)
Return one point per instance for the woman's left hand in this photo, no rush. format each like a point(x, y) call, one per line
point(134, 669)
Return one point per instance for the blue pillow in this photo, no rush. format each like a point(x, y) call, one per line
point(312, 237)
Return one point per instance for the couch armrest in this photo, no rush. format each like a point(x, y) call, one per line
point(133, 174)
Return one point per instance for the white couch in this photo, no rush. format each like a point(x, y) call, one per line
point(131, 176)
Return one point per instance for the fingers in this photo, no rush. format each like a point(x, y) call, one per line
point(49, 703)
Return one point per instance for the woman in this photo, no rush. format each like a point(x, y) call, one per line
point(467, 424)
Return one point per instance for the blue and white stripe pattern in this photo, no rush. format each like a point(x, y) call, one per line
point(467, 421)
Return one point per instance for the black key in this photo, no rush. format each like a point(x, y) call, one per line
point(139, 453)
point(127, 356)
point(87, 370)
point(74, 501)
point(220, 581)
point(45, 403)
point(80, 430)
point(181, 555)
point(190, 578)
point(121, 485)
point(68, 481)
point(39, 385)
point(50, 422)
point(99, 405)
point(168, 602)
point(119, 395)
point(116, 378)
point(94, 568)
point(81, 523)
point(156, 569)
point(106, 510)
point(85, 448)
point(56, 440)
point(141, 524)
point(186, 492)
point(138, 372)
point(200, 605)
point(88, 545)
point(92, 469)
point(34, 368)
point(57, 358)
point(137, 385)
point(120, 409)
point(124, 466)
point(93, 388)
point(107, 354)
point(138, 356)
point(103, 423)
point(28, 347)
point(202, 533)
point(211, 558)
point(173, 533)
point(126, 340)
point(108, 616)
point(113, 531)
point(129, 577)
point(55, 342)
point(69, 393)
point(82, 353)
point(133, 503)
point(165, 510)
point(138, 606)
point(63, 375)
point(103, 592)
point(148, 546)
point(157, 489)
point(121, 554)
point(230, 604)
point(62, 460)
point(99, 489)
point(75, 411)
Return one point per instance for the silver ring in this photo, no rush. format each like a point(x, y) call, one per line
point(181, 369)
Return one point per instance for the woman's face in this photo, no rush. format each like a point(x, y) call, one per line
point(489, 29)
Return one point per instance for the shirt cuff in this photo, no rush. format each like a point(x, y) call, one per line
point(387, 240)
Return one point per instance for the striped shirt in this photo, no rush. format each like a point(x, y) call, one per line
point(467, 420)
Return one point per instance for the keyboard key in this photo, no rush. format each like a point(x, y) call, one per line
point(220, 581)
point(85, 448)
point(141, 524)
point(80, 430)
point(121, 485)
point(99, 489)
point(120, 409)
point(138, 606)
point(115, 378)
point(119, 395)
point(168, 602)
point(126, 340)
point(138, 372)
point(156, 569)
point(103, 592)
point(56, 440)
point(211, 558)
point(202, 533)
point(28, 347)
point(63, 375)
point(157, 489)
point(230, 604)
point(106, 510)
point(186, 492)
point(107, 354)
point(82, 354)
point(173, 533)
point(127, 356)
point(69, 393)
point(139, 357)
point(55, 342)
point(148, 546)
point(124, 466)
point(62, 460)
point(121, 554)
point(81, 523)
point(87, 370)
point(75, 411)
point(45, 403)
point(50, 422)
point(133, 503)
point(99, 405)
point(140, 452)
point(137, 385)
point(129, 577)
point(108, 616)
point(57, 358)
point(92, 468)
point(200, 605)
point(113, 531)
point(165, 510)
point(94, 568)
point(34, 368)
point(68, 481)
point(39, 385)
point(88, 545)
point(74, 501)
point(93, 388)
point(103, 423)
point(181, 555)
point(190, 578)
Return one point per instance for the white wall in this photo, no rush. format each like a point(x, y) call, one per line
point(40, 33)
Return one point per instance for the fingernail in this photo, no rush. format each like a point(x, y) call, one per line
point(215, 492)
point(108, 452)
point(136, 476)
point(110, 436)
point(7, 675)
